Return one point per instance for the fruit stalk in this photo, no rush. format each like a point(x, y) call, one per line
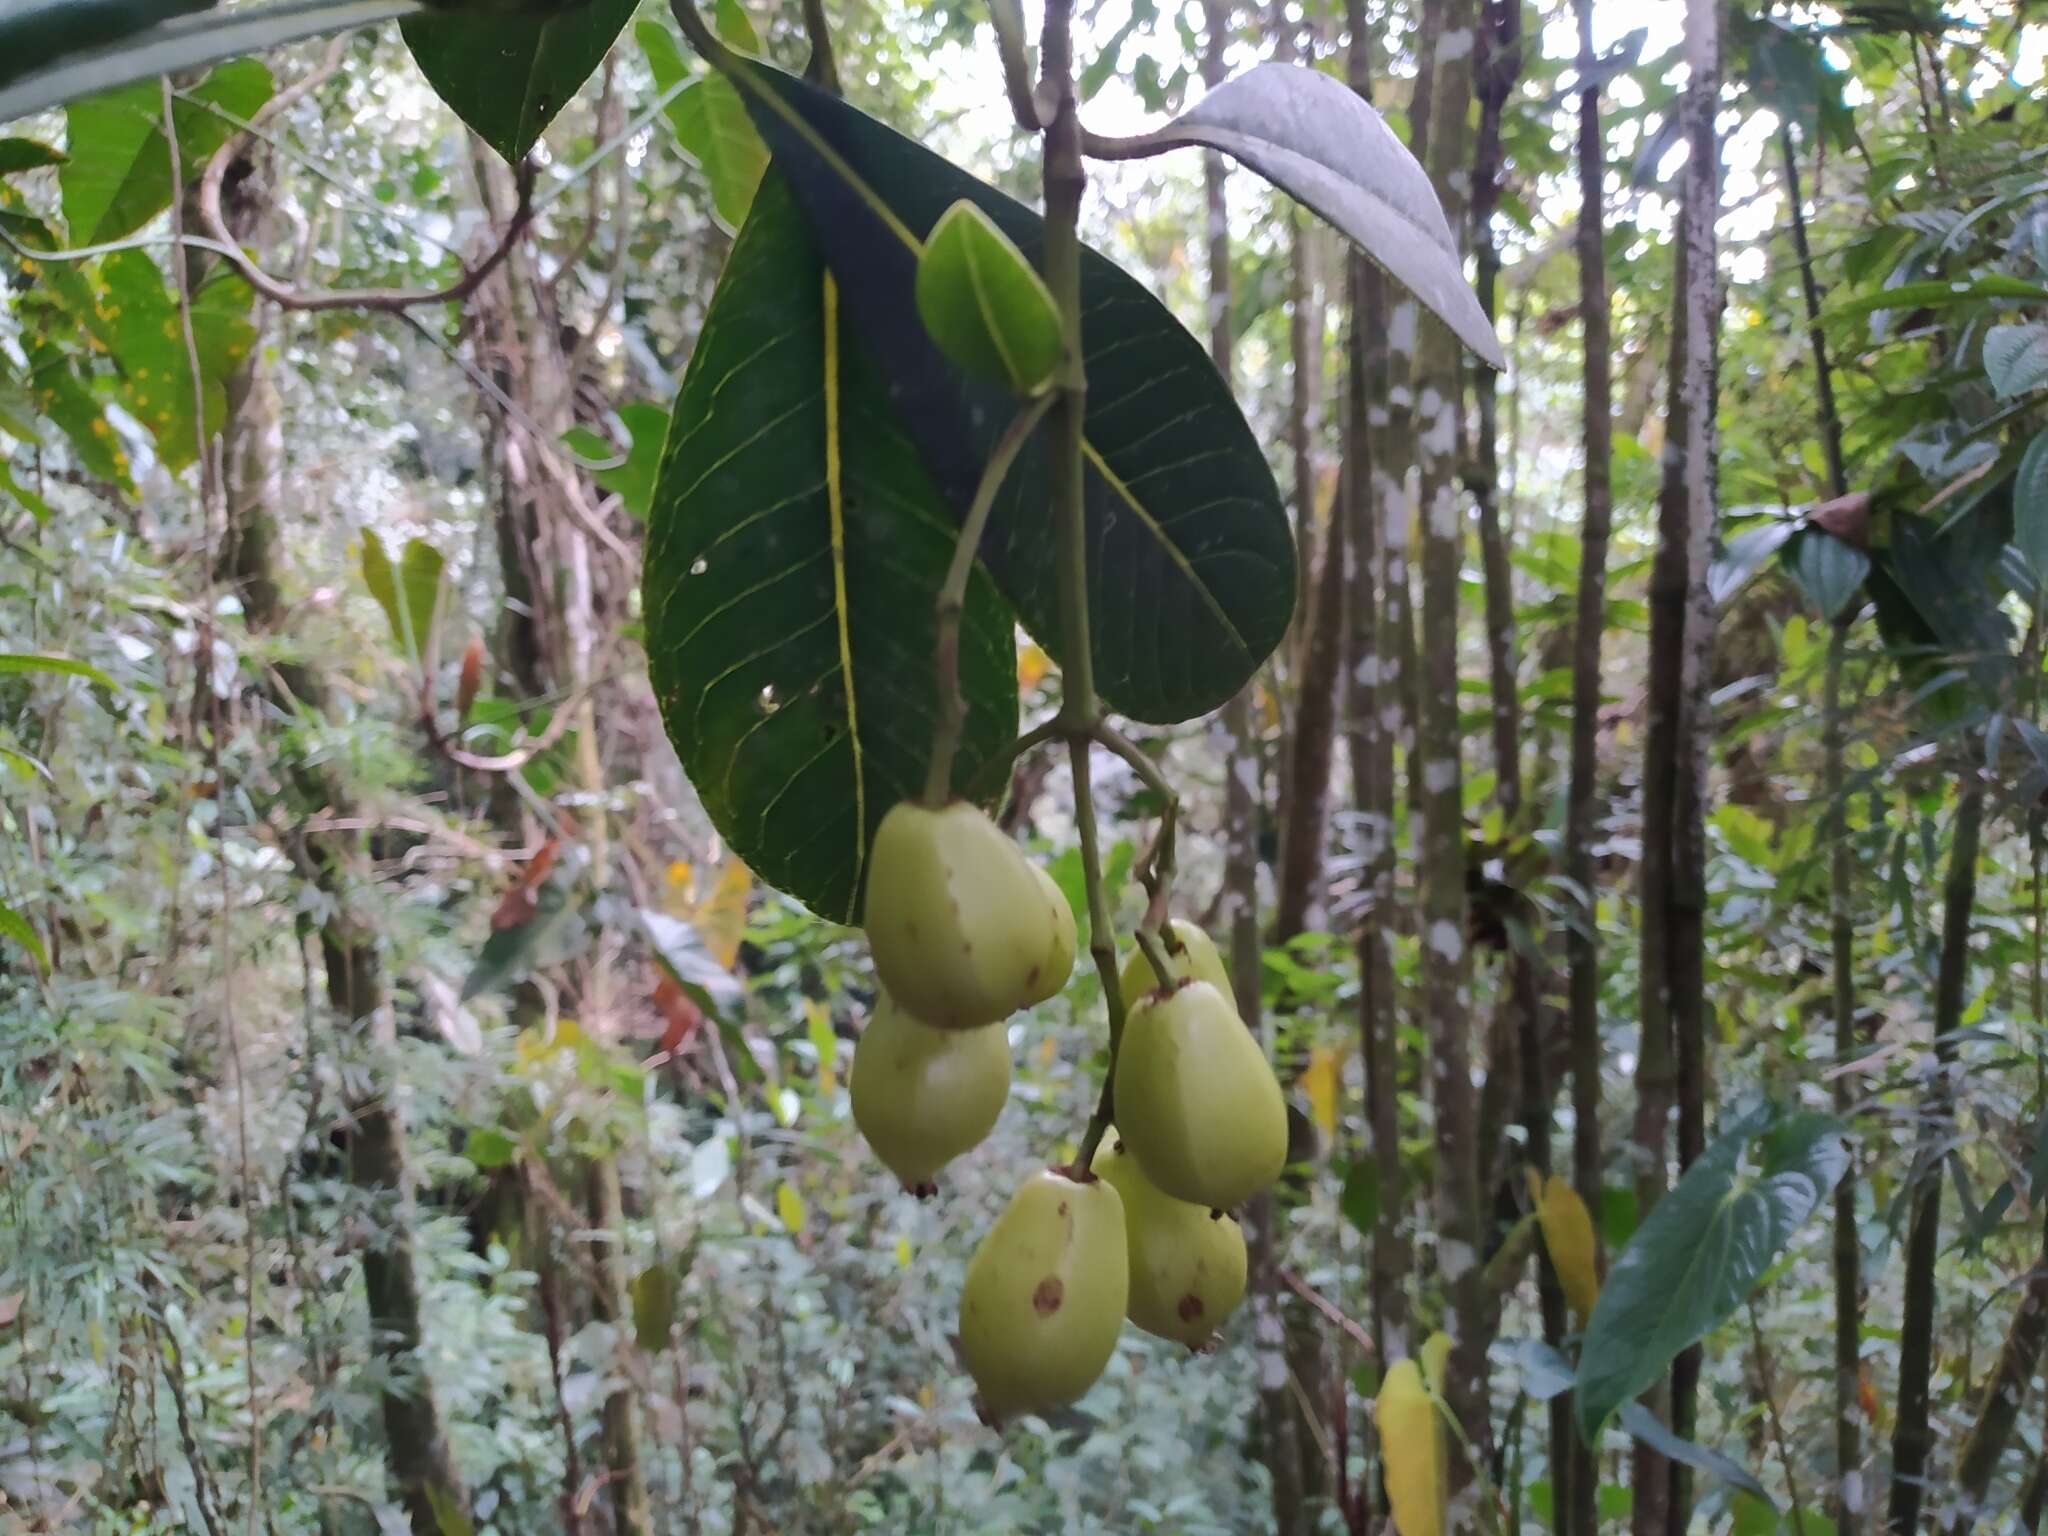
point(952, 600)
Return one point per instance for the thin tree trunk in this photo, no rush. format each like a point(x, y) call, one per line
point(1436, 778)
point(1686, 955)
point(1241, 890)
point(626, 1484)
point(1846, 1497)
point(1912, 1436)
point(1578, 1496)
point(2005, 1393)
point(1369, 703)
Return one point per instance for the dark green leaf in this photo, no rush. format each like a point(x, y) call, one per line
point(711, 125)
point(983, 304)
point(795, 549)
point(2016, 358)
point(1702, 1248)
point(1360, 1201)
point(119, 175)
point(16, 927)
point(36, 33)
point(1829, 570)
point(38, 508)
point(489, 1148)
point(1191, 575)
point(409, 594)
point(26, 155)
point(510, 953)
point(507, 74)
point(1934, 293)
point(1648, 1428)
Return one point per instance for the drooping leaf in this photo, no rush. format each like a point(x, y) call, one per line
point(680, 949)
point(1701, 1249)
point(64, 666)
point(1411, 1450)
point(1191, 578)
point(26, 155)
point(138, 317)
point(119, 175)
point(2016, 358)
point(984, 305)
point(507, 73)
point(91, 64)
point(1829, 570)
point(1648, 1428)
point(1743, 554)
point(795, 549)
point(1568, 1239)
point(409, 593)
point(510, 953)
point(1934, 293)
point(711, 125)
point(1360, 1200)
point(1319, 141)
point(16, 927)
point(2030, 505)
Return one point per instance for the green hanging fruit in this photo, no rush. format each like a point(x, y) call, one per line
point(922, 1096)
point(959, 924)
point(1059, 962)
point(1198, 959)
point(1045, 1295)
point(1197, 1102)
point(1187, 1261)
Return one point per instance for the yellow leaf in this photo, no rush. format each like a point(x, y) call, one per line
point(1410, 1450)
point(1435, 1355)
point(537, 1042)
point(722, 919)
point(1047, 1049)
point(789, 1208)
point(1032, 665)
point(926, 1397)
point(1568, 1238)
point(903, 1253)
point(1319, 1082)
point(682, 885)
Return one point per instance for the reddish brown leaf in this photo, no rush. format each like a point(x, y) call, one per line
point(472, 677)
point(517, 905)
point(10, 1307)
point(679, 1012)
point(1846, 517)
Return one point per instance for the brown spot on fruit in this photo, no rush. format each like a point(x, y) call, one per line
point(1190, 1307)
point(1047, 1298)
point(1063, 1207)
point(1031, 977)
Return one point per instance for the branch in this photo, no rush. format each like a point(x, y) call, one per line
point(1351, 1328)
point(504, 762)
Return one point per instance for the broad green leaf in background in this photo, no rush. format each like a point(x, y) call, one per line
point(119, 175)
point(2016, 358)
point(2030, 505)
point(409, 593)
point(654, 1307)
point(64, 399)
point(985, 306)
point(1829, 570)
point(631, 474)
point(1319, 141)
point(12, 664)
point(540, 941)
point(38, 508)
point(1701, 1250)
point(1947, 585)
point(507, 73)
point(1934, 293)
point(710, 122)
point(16, 927)
point(138, 318)
point(794, 551)
point(1191, 573)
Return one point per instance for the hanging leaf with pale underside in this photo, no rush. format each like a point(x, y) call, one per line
point(1317, 140)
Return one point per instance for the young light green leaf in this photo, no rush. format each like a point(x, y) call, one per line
point(119, 175)
point(409, 594)
point(710, 124)
point(16, 927)
point(1319, 141)
point(1701, 1250)
point(984, 305)
point(2016, 358)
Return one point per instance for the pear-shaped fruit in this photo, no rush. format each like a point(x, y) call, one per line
point(1196, 1101)
point(1198, 959)
point(1411, 1450)
point(960, 927)
point(1045, 1294)
point(922, 1096)
point(1187, 1261)
point(1059, 959)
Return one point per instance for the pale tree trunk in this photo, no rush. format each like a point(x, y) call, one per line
point(1373, 711)
point(1276, 1417)
point(417, 1459)
point(1578, 1496)
point(1435, 780)
point(1686, 956)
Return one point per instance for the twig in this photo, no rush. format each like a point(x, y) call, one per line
point(1764, 1375)
point(1351, 1327)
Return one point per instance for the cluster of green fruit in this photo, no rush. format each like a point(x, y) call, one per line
point(964, 931)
